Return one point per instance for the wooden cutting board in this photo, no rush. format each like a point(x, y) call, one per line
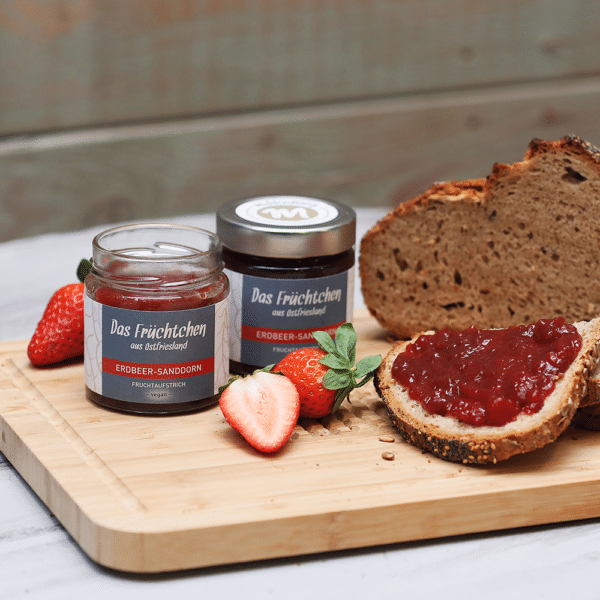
point(152, 494)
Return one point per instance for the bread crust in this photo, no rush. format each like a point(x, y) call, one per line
point(588, 417)
point(487, 251)
point(454, 441)
point(588, 413)
point(592, 395)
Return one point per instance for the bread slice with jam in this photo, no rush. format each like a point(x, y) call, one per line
point(454, 440)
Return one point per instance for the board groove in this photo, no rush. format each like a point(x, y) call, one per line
point(83, 450)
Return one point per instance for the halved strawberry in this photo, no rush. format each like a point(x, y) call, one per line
point(326, 375)
point(263, 407)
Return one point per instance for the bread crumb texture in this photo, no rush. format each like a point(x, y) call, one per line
point(521, 245)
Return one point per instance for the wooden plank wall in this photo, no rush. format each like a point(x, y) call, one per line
point(134, 109)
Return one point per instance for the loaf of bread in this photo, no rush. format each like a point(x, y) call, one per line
point(519, 246)
point(453, 440)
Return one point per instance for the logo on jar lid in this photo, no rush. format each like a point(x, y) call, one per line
point(286, 211)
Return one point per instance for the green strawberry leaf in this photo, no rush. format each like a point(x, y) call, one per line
point(335, 362)
point(83, 268)
point(336, 379)
point(325, 342)
point(345, 341)
point(367, 365)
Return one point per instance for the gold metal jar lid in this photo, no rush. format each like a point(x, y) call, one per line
point(286, 226)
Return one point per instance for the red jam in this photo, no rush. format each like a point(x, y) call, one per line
point(487, 377)
point(162, 297)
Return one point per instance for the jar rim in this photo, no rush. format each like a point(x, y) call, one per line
point(214, 248)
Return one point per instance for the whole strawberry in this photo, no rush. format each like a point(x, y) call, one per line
point(59, 334)
point(326, 375)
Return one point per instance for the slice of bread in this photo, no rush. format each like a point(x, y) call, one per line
point(592, 395)
point(452, 440)
point(514, 248)
point(588, 417)
point(588, 413)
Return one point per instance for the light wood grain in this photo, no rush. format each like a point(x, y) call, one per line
point(148, 494)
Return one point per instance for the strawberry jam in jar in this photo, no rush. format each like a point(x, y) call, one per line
point(156, 319)
point(290, 261)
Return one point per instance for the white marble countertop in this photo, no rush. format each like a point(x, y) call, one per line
point(38, 559)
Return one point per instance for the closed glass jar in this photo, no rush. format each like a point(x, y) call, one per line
point(156, 319)
point(290, 261)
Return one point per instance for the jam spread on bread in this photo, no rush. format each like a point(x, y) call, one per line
point(487, 377)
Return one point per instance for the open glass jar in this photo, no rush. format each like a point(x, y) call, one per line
point(156, 319)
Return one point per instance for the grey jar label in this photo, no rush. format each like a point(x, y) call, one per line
point(272, 317)
point(156, 357)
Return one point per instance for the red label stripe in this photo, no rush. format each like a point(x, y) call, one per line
point(145, 371)
point(284, 336)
